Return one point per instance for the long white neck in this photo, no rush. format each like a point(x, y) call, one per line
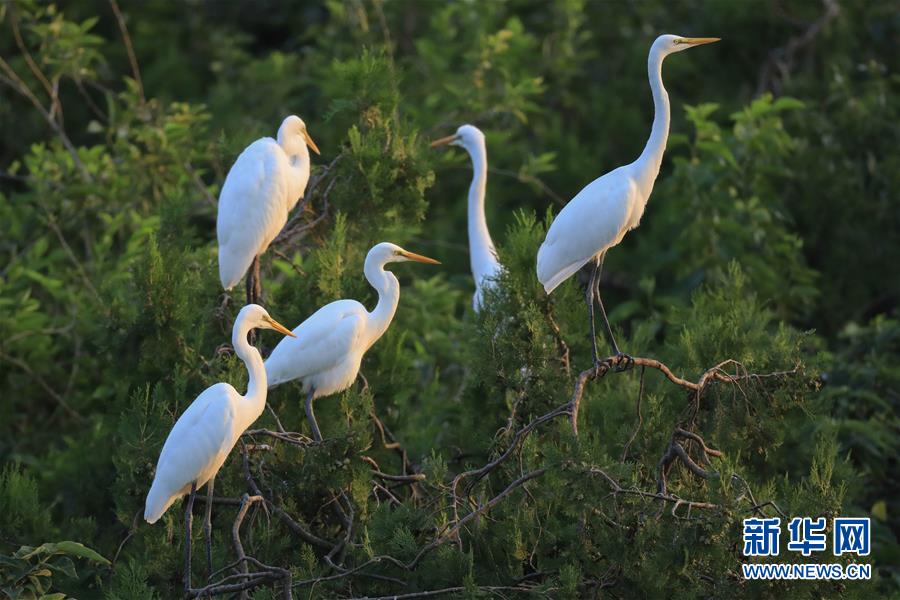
point(254, 401)
point(651, 158)
point(482, 255)
point(298, 176)
point(388, 288)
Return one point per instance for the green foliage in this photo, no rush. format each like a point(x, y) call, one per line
point(765, 250)
point(29, 572)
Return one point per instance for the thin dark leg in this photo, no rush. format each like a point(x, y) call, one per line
point(252, 285)
point(596, 290)
point(589, 299)
point(207, 524)
point(257, 281)
point(311, 417)
point(629, 362)
point(188, 525)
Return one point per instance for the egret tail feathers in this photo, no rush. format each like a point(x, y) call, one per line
point(157, 504)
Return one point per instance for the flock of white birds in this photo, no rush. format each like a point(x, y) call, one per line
point(324, 352)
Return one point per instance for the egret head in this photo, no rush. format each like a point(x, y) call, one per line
point(669, 44)
point(292, 136)
point(386, 252)
point(467, 136)
point(254, 316)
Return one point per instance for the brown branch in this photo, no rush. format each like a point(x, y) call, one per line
point(547, 592)
point(678, 502)
point(36, 71)
point(126, 39)
point(557, 336)
point(289, 437)
point(639, 416)
point(293, 228)
point(450, 533)
point(13, 80)
point(198, 183)
point(293, 525)
point(245, 580)
point(41, 382)
point(51, 221)
point(479, 473)
point(526, 179)
point(713, 374)
point(777, 68)
point(388, 477)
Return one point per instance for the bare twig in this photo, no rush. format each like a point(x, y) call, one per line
point(780, 63)
point(713, 374)
point(293, 525)
point(678, 502)
point(41, 382)
point(451, 532)
point(13, 80)
point(639, 416)
point(126, 39)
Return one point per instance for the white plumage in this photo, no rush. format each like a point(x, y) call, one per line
point(328, 348)
point(327, 356)
point(595, 220)
point(206, 432)
point(264, 184)
point(482, 254)
point(598, 217)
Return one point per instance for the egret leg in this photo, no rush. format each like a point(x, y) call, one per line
point(589, 299)
point(629, 362)
point(257, 281)
point(207, 524)
point(253, 288)
point(311, 417)
point(188, 525)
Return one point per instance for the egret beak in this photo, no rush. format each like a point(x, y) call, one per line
point(311, 143)
point(278, 327)
point(419, 258)
point(444, 141)
point(699, 41)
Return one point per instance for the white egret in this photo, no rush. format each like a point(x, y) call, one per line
point(264, 184)
point(328, 347)
point(206, 432)
point(598, 217)
point(482, 255)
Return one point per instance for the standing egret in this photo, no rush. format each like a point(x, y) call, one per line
point(599, 216)
point(328, 347)
point(482, 255)
point(262, 187)
point(206, 432)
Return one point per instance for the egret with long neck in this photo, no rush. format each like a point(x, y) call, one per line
point(205, 433)
point(482, 254)
point(598, 217)
point(328, 347)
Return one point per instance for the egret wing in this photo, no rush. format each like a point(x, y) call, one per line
point(590, 223)
point(323, 340)
point(197, 445)
point(252, 208)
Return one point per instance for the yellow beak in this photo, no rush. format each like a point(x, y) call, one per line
point(699, 41)
point(279, 327)
point(419, 258)
point(311, 143)
point(444, 141)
